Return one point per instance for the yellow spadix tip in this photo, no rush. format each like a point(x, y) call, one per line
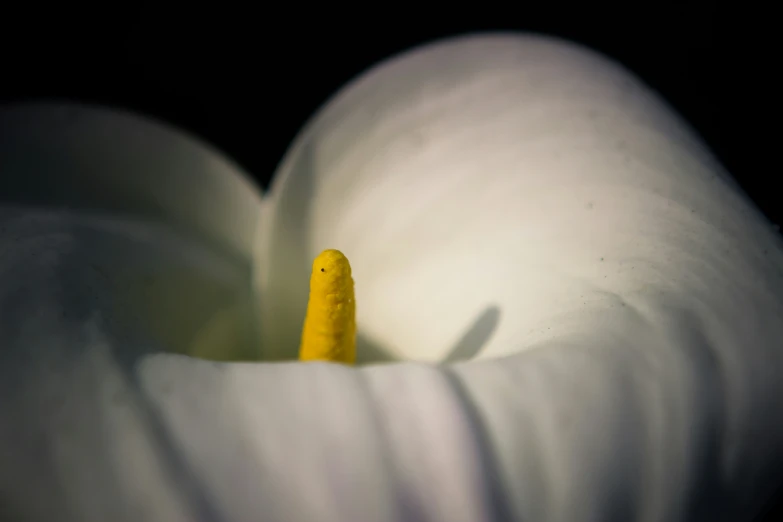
point(329, 332)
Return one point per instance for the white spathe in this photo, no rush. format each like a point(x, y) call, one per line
point(516, 200)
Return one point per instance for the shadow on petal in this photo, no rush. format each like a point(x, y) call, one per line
point(476, 337)
point(369, 351)
point(67, 380)
point(171, 456)
point(498, 505)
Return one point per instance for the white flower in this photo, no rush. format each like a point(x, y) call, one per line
point(513, 200)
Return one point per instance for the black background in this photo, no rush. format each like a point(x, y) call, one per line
point(247, 79)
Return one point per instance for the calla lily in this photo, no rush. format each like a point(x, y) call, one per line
point(605, 301)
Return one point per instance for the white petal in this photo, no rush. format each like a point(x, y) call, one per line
point(323, 442)
point(81, 298)
point(132, 179)
point(118, 164)
point(117, 237)
point(522, 175)
point(545, 191)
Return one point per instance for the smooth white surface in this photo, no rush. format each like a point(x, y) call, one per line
point(475, 185)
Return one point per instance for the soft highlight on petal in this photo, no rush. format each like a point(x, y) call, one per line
point(536, 178)
point(513, 160)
